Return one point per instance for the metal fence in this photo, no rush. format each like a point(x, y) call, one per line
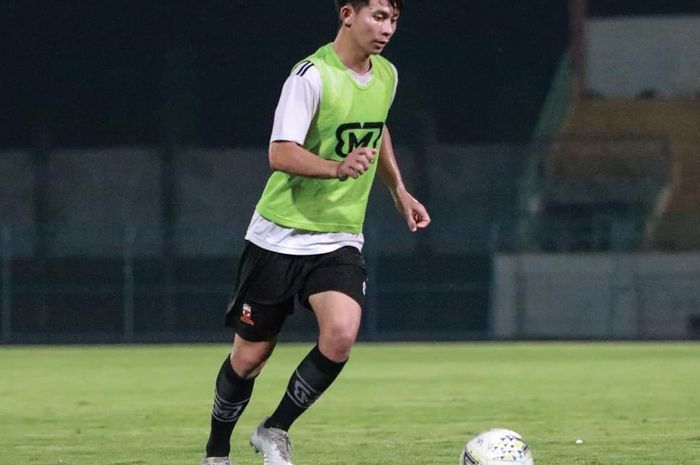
point(112, 245)
point(128, 296)
point(124, 244)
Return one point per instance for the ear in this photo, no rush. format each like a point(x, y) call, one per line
point(346, 13)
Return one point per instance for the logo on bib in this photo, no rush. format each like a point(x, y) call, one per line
point(353, 135)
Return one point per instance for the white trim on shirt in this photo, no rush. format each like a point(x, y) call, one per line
point(270, 236)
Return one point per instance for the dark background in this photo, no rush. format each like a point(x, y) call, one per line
point(83, 74)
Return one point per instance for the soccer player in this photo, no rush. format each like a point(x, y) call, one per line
point(305, 238)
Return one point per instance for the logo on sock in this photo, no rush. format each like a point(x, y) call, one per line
point(227, 412)
point(247, 315)
point(301, 393)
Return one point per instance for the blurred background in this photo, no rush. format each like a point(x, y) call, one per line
point(556, 144)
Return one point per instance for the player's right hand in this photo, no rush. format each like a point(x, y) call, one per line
point(356, 163)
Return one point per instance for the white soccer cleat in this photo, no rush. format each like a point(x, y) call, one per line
point(274, 444)
point(216, 461)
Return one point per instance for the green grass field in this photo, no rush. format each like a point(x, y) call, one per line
point(631, 404)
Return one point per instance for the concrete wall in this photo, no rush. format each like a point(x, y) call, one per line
point(628, 55)
point(595, 295)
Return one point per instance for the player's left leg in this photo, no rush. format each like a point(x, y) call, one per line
point(338, 317)
point(334, 289)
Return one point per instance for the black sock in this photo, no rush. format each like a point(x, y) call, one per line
point(313, 376)
point(231, 396)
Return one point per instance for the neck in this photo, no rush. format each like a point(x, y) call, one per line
point(351, 56)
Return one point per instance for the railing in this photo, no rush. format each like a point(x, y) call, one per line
point(557, 102)
point(553, 112)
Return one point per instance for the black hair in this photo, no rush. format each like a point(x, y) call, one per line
point(356, 4)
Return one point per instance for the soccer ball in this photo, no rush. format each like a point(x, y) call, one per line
point(496, 447)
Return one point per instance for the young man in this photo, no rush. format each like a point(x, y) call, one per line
point(305, 238)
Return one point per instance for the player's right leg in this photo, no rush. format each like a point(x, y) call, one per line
point(263, 276)
point(234, 386)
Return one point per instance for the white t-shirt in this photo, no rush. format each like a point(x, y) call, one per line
point(298, 104)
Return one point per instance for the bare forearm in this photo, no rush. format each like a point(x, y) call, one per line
point(290, 158)
point(413, 211)
point(388, 168)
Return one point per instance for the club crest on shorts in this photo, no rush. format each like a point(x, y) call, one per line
point(247, 315)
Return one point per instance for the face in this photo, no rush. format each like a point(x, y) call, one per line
point(371, 27)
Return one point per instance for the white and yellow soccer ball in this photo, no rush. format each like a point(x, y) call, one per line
point(496, 446)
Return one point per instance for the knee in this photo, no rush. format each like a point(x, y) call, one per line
point(247, 364)
point(338, 341)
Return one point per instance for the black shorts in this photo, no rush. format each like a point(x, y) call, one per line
point(269, 284)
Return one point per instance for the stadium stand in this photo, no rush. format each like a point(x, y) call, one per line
point(671, 223)
point(616, 166)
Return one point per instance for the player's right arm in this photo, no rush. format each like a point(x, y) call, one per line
point(296, 109)
point(291, 158)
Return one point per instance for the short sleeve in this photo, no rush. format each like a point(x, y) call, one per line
point(298, 104)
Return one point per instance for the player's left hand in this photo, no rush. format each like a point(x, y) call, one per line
point(412, 210)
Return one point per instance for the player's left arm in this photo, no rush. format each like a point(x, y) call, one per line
point(412, 210)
